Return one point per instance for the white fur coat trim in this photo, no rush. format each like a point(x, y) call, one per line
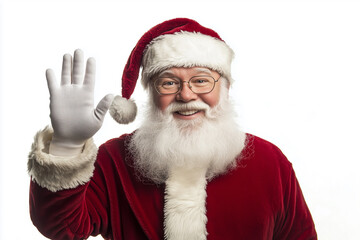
point(185, 210)
point(186, 49)
point(55, 172)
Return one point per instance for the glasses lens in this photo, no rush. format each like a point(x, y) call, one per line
point(202, 84)
point(167, 85)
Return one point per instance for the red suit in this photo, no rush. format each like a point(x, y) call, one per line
point(259, 199)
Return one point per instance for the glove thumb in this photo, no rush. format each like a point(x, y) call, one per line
point(103, 107)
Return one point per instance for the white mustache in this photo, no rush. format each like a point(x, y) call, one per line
point(178, 107)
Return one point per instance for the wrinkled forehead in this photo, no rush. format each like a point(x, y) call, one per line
point(183, 71)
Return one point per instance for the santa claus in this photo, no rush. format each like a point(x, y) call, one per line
point(187, 173)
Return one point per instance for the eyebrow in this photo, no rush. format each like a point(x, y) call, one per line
point(197, 70)
point(166, 72)
point(202, 70)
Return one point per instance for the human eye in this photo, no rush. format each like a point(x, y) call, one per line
point(201, 81)
point(168, 83)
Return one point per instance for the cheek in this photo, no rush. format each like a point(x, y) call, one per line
point(163, 101)
point(212, 99)
point(212, 102)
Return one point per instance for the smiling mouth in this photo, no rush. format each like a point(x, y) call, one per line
point(188, 112)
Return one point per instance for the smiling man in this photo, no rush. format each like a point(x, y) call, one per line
point(188, 172)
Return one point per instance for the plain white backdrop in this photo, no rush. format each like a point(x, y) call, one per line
point(297, 73)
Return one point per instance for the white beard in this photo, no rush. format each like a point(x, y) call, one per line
point(163, 142)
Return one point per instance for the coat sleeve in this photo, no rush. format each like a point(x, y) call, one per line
point(67, 196)
point(295, 221)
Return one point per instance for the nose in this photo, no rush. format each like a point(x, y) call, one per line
point(185, 94)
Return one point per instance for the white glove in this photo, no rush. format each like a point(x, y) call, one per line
point(72, 112)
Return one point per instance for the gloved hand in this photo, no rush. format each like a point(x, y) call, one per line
point(72, 112)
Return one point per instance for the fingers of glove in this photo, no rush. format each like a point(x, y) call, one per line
point(66, 70)
point(90, 72)
point(103, 107)
point(78, 66)
point(51, 80)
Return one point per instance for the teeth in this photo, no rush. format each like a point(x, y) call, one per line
point(187, 113)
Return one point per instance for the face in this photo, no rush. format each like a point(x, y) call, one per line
point(186, 95)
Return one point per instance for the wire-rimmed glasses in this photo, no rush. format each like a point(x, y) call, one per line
point(172, 85)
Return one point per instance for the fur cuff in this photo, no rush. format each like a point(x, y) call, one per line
point(57, 172)
point(185, 210)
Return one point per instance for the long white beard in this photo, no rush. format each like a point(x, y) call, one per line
point(164, 142)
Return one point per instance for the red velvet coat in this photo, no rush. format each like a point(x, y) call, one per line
point(260, 199)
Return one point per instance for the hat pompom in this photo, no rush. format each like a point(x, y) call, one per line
point(123, 110)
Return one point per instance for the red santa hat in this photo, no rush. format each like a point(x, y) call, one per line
point(179, 42)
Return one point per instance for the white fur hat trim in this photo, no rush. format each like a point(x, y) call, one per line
point(186, 49)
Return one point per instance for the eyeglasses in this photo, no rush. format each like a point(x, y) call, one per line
point(173, 85)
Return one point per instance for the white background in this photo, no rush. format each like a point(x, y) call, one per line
point(297, 73)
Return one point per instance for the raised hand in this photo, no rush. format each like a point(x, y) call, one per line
point(72, 112)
